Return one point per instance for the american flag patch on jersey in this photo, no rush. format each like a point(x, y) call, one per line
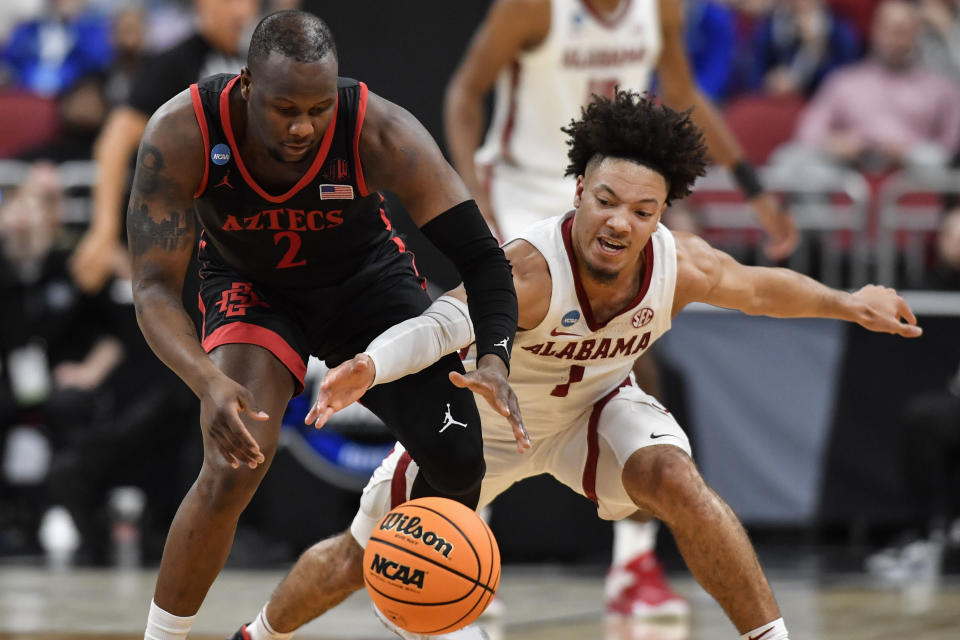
point(336, 192)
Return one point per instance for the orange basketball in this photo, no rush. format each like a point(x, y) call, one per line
point(431, 566)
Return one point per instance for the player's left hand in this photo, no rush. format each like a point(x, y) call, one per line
point(882, 309)
point(342, 386)
point(778, 223)
point(490, 381)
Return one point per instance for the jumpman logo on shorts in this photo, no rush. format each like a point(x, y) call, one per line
point(225, 182)
point(503, 343)
point(448, 420)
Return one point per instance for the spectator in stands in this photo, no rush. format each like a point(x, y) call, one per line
point(128, 46)
point(940, 38)
point(797, 45)
point(49, 54)
point(887, 110)
point(216, 47)
point(710, 33)
point(55, 342)
point(945, 274)
point(81, 113)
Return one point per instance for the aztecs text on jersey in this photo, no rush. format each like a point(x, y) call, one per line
point(325, 228)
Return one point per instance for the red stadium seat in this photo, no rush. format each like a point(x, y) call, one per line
point(28, 121)
point(762, 123)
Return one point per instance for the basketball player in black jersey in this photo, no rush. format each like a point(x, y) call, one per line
point(283, 165)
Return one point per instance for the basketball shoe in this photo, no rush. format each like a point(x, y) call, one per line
point(469, 632)
point(639, 589)
point(241, 634)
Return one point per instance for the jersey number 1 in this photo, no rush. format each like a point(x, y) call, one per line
point(287, 260)
point(576, 375)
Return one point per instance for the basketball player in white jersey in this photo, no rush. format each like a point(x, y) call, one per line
point(596, 287)
point(545, 59)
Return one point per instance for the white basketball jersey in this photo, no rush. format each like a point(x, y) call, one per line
point(543, 89)
point(560, 368)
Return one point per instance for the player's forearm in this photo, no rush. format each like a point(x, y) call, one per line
point(170, 332)
point(723, 147)
point(782, 293)
point(463, 118)
point(418, 342)
point(112, 152)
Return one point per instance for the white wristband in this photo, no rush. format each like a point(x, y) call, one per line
point(414, 344)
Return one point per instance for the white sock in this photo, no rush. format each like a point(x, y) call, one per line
point(631, 538)
point(166, 626)
point(775, 630)
point(260, 628)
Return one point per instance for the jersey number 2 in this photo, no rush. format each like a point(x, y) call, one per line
point(576, 375)
point(287, 260)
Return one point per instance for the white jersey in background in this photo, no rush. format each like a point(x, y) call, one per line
point(541, 91)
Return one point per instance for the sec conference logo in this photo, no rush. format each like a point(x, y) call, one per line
point(643, 317)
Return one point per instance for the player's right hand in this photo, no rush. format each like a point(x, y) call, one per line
point(883, 310)
point(490, 381)
point(220, 407)
point(342, 386)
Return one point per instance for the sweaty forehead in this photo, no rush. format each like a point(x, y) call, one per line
point(284, 77)
point(629, 180)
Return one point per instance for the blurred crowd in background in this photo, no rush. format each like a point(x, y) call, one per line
point(95, 433)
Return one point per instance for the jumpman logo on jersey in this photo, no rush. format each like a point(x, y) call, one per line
point(503, 343)
point(225, 182)
point(448, 420)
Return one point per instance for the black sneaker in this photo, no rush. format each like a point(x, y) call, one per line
point(241, 634)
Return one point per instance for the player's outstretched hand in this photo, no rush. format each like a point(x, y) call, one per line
point(883, 310)
point(220, 408)
point(342, 386)
point(490, 381)
point(778, 223)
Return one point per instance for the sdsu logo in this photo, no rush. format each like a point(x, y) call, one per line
point(397, 572)
point(643, 317)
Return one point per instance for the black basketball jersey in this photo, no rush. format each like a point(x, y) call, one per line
point(325, 229)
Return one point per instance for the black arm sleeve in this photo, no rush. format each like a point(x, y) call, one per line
point(463, 236)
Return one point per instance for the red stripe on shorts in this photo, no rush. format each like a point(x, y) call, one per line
point(593, 444)
point(398, 484)
point(246, 333)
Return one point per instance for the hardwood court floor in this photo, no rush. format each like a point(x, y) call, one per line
point(542, 604)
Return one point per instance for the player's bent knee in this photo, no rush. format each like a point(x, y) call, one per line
point(456, 474)
point(223, 488)
point(662, 477)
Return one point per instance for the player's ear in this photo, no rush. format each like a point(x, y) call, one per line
point(245, 83)
point(578, 194)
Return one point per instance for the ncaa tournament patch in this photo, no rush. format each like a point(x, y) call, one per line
point(220, 154)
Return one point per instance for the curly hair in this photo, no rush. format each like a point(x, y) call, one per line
point(632, 127)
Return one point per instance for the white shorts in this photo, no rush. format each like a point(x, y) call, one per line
point(588, 456)
point(520, 197)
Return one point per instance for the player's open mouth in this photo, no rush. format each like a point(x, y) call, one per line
point(610, 246)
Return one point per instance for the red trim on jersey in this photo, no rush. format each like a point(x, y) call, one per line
point(613, 19)
point(361, 114)
point(511, 112)
point(203, 314)
point(565, 229)
point(593, 444)
point(398, 484)
point(401, 246)
point(202, 121)
point(307, 177)
point(246, 333)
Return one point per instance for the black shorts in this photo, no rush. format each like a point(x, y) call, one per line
point(333, 323)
